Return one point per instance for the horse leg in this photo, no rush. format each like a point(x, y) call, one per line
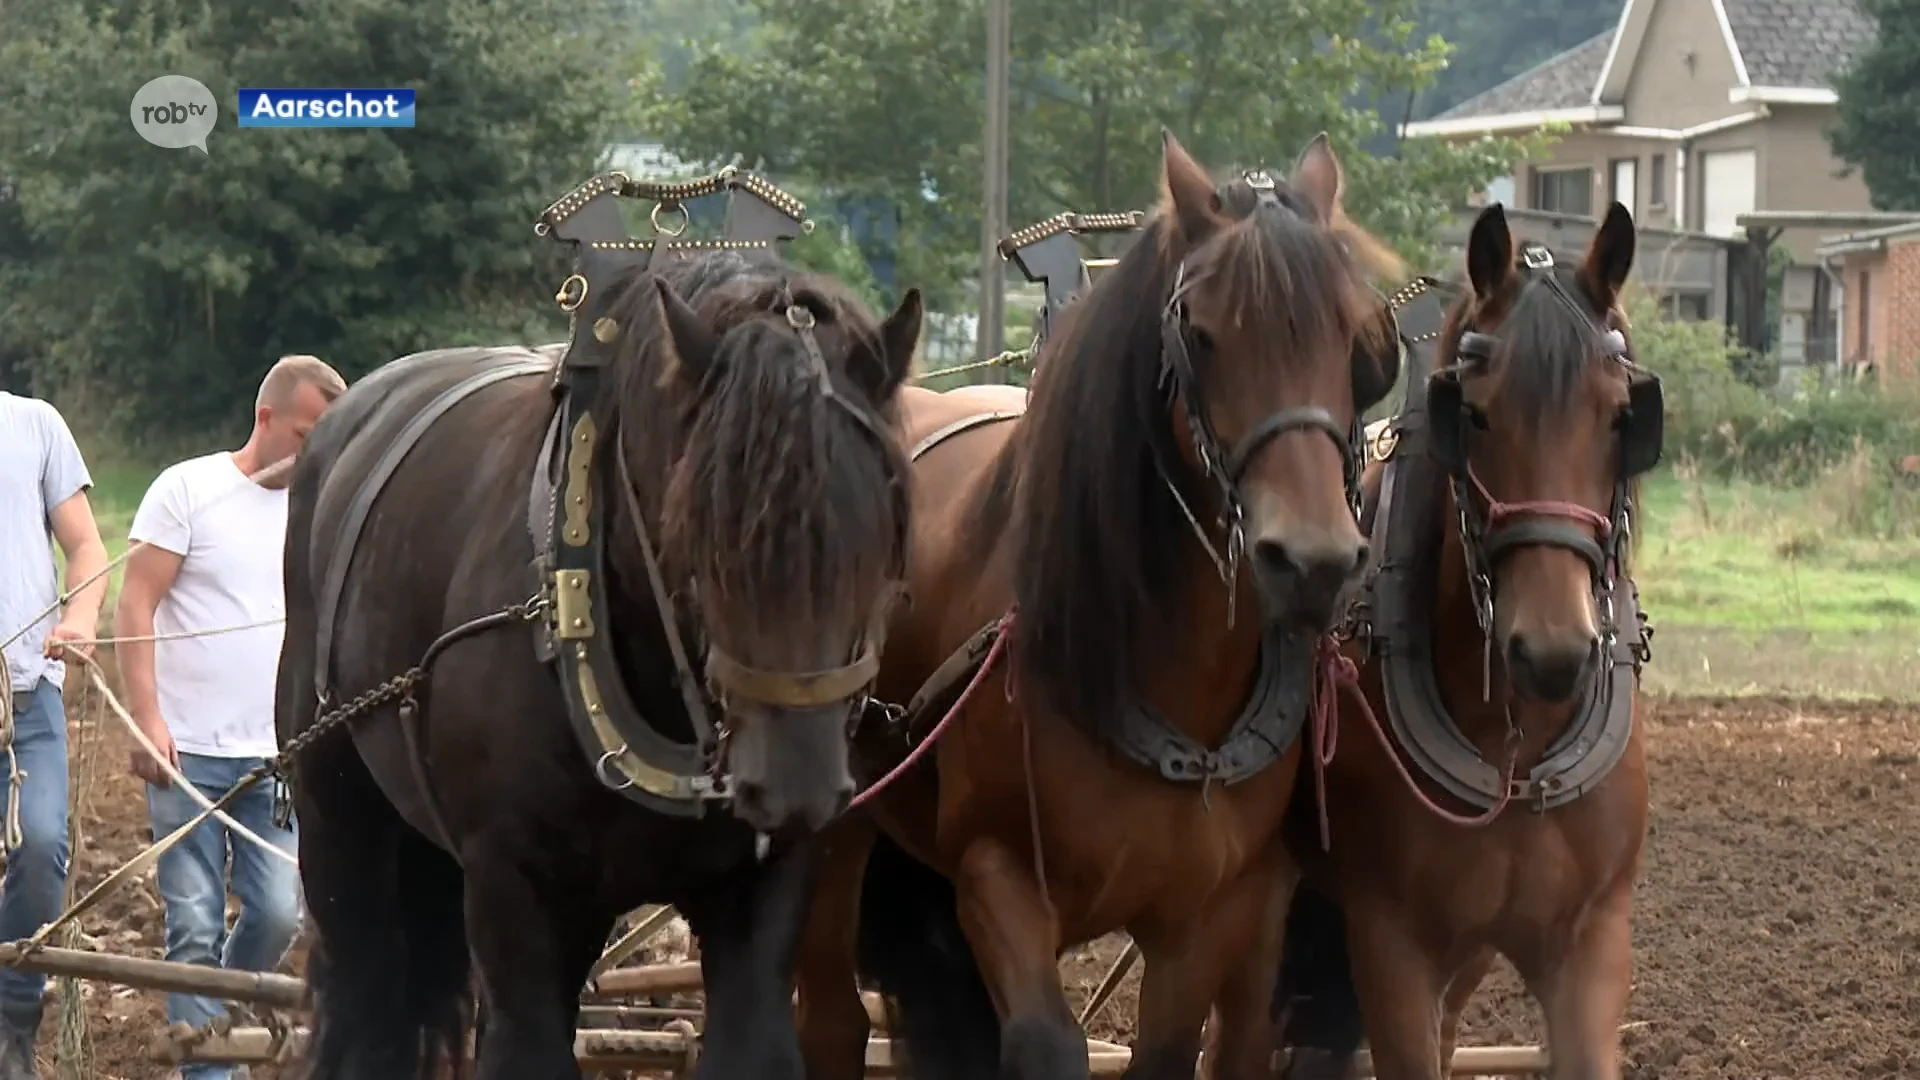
point(1584, 992)
point(749, 928)
point(832, 1021)
point(1229, 954)
point(1459, 992)
point(389, 964)
point(533, 950)
point(1016, 940)
point(1399, 986)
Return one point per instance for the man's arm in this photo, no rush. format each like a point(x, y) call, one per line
point(162, 529)
point(79, 539)
point(149, 574)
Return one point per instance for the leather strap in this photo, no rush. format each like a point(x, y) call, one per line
point(333, 583)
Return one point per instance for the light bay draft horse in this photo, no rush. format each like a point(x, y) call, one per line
point(1153, 552)
point(1501, 645)
point(733, 484)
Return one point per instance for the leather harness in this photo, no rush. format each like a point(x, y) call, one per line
point(1425, 454)
point(1276, 708)
point(567, 513)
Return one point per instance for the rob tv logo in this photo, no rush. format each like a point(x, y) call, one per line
point(175, 112)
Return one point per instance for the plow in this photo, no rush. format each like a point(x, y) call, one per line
point(616, 1036)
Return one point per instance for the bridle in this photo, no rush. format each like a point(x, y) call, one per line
point(726, 677)
point(1490, 529)
point(1227, 466)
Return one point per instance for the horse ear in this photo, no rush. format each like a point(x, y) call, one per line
point(1610, 255)
point(1186, 191)
point(1317, 177)
point(899, 337)
point(694, 346)
point(1489, 251)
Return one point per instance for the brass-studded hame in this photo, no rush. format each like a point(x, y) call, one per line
point(572, 605)
point(579, 488)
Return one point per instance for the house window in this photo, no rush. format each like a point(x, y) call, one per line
point(1623, 176)
point(1657, 181)
point(1564, 191)
point(1685, 305)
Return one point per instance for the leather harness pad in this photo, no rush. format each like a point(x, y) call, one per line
point(1406, 541)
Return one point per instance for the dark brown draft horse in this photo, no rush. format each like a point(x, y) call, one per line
point(1127, 751)
point(1505, 811)
point(744, 449)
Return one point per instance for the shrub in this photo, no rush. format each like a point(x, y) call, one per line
point(1721, 422)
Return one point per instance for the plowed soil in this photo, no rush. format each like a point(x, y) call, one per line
point(1777, 932)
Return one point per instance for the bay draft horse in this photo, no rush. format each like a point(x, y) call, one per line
point(1087, 781)
point(1523, 644)
point(776, 492)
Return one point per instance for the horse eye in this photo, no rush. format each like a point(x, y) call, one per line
point(1622, 418)
point(1202, 340)
point(1477, 416)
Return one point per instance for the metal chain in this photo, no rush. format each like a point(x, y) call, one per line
point(393, 689)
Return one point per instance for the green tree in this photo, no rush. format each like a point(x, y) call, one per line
point(880, 97)
point(1879, 98)
point(169, 279)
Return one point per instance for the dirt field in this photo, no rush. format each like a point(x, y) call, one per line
point(1778, 932)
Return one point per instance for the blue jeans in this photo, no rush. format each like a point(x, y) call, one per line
point(193, 882)
point(37, 873)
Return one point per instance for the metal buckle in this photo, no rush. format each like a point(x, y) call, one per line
point(1536, 257)
point(1258, 180)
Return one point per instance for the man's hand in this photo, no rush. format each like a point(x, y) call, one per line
point(143, 764)
point(69, 635)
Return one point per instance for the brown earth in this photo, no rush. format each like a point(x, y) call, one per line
point(1777, 929)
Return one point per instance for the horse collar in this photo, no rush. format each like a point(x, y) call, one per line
point(1394, 614)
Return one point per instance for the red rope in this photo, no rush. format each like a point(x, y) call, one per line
point(926, 744)
point(1336, 672)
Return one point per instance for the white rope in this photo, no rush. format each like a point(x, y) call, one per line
point(60, 601)
point(182, 634)
point(205, 804)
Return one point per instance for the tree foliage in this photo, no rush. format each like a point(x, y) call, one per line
point(882, 98)
point(1879, 99)
point(170, 279)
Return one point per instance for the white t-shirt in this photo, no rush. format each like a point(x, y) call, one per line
point(216, 692)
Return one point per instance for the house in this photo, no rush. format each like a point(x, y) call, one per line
point(1690, 112)
point(1880, 269)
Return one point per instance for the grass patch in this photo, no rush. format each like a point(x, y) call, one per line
point(1731, 555)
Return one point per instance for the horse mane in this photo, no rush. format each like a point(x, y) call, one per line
point(1099, 541)
point(774, 496)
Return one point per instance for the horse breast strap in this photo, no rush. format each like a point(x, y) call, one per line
point(566, 511)
point(1424, 454)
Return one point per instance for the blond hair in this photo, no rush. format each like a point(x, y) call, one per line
point(290, 372)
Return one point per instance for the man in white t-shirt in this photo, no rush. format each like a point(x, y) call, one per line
point(210, 565)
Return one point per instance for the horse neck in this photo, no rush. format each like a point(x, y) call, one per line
point(1459, 652)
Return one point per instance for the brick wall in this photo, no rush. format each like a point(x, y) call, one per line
point(1898, 297)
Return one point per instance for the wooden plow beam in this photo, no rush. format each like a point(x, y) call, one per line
point(666, 1051)
point(596, 1048)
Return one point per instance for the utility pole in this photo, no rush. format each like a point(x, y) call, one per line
point(993, 219)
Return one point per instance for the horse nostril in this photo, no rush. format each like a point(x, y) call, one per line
point(1331, 563)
